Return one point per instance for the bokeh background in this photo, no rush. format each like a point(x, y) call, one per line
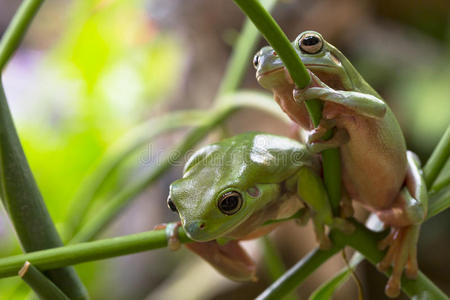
point(90, 71)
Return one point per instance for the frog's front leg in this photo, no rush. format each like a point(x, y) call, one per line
point(312, 191)
point(405, 217)
point(360, 103)
point(230, 259)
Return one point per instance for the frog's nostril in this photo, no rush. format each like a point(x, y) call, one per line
point(202, 226)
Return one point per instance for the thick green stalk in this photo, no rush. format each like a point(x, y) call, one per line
point(24, 204)
point(115, 205)
point(17, 29)
point(84, 252)
point(116, 154)
point(40, 284)
point(280, 43)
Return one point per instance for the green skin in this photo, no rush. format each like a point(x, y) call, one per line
point(274, 177)
point(377, 170)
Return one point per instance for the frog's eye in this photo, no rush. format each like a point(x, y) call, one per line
point(230, 203)
point(256, 61)
point(171, 205)
point(310, 43)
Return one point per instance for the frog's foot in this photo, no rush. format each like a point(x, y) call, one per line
point(343, 225)
point(346, 209)
point(319, 229)
point(231, 260)
point(339, 138)
point(171, 233)
point(303, 216)
point(317, 133)
point(402, 254)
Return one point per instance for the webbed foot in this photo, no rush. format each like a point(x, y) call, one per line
point(402, 254)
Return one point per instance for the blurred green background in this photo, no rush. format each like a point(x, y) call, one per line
point(90, 71)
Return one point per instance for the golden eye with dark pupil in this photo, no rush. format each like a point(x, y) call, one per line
point(230, 203)
point(171, 205)
point(310, 43)
point(256, 61)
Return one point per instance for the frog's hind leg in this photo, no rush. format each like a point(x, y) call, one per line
point(230, 259)
point(405, 217)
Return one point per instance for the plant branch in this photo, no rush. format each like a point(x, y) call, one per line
point(17, 29)
point(91, 251)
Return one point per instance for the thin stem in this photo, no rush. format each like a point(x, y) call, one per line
point(280, 43)
point(40, 284)
point(298, 273)
point(16, 30)
point(274, 263)
point(91, 251)
point(437, 159)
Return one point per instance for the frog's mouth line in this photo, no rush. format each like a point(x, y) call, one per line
point(282, 67)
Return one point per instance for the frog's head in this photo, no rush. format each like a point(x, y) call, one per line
point(223, 184)
point(322, 58)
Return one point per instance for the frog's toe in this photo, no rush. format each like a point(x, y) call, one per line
point(392, 288)
point(325, 243)
point(401, 255)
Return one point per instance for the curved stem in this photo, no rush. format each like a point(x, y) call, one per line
point(17, 29)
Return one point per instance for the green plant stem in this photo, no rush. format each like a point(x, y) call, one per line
point(116, 154)
point(40, 284)
point(116, 205)
point(16, 30)
point(274, 263)
point(24, 204)
point(437, 159)
point(280, 43)
point(91, 251)
point(240, 57)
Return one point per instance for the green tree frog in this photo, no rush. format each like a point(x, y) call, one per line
point(375, 163)
point(243, 187)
